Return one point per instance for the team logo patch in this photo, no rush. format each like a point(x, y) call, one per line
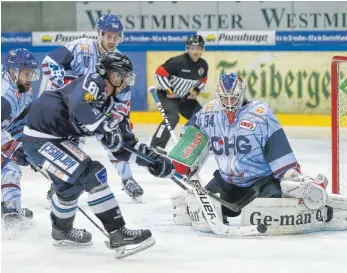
point(84, 47)
point(209, 107)
point(89, 97)
point(201, 71)
point(260, 110)
point(246, 124)
point(101, 176)
point(59, 157)
point(55, 171)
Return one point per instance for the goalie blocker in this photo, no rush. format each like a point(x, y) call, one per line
point(305, 206)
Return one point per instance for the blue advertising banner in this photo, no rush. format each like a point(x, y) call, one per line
point(311, 38)
point(15, 38)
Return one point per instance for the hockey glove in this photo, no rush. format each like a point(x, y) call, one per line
point(162, 166)
point(14, 151)
point(112, 138)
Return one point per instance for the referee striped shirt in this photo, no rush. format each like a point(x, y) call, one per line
point(180, 74)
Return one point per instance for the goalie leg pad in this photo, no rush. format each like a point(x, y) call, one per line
point(291, 216)
point(180, 209)
point(188, 211)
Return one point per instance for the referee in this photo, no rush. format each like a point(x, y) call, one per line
point(180, 80)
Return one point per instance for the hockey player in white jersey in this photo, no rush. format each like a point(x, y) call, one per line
point(21, 68)
point(252, 152)
point(78, 58)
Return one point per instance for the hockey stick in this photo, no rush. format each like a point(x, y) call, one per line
point(233, 206)
point(204, 201)
point(43, 172)
point(149, 160)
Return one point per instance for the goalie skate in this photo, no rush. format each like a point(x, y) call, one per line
point(126, 242)
point(133, 190)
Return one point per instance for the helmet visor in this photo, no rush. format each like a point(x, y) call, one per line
point(122, 78)
point(28, 75)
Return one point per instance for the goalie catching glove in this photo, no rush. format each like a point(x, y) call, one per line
point(311, 191)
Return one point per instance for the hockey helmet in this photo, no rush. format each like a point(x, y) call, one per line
point(22, 58)
point(195, 40)
point(116, 62)
point(110, 23)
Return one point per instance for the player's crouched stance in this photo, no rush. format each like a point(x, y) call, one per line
point(255, 159)
point(82, 108)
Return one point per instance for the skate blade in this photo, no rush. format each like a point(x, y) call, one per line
point(70, 244)
point(137, 199)
point(126, 251)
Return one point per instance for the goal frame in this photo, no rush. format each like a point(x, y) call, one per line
point(335, 62)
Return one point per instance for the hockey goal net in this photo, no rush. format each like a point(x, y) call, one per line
point(339, 124)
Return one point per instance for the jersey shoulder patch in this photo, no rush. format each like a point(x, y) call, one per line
point(209, 106)
point(83, 45)
point(95, 85)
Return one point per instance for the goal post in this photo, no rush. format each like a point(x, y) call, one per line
point(339, 124)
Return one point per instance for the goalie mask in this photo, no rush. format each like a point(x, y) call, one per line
point(230, 91)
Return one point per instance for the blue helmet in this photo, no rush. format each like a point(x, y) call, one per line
point(22, 58)
point(231, 91)
point(110, 23)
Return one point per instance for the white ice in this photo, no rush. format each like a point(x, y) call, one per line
point(178, 249)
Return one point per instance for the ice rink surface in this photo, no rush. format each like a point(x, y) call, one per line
point(178, 249)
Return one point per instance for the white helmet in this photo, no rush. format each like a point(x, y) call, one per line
point(230, 91)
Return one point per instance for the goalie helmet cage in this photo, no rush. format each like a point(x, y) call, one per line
point(339, 124)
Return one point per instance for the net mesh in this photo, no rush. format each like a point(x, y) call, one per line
point(342, 122)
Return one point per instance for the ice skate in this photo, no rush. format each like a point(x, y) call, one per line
point(133, 189)
point(127, 242)
point(14, 219)
point(64, 234)
point(72, 237)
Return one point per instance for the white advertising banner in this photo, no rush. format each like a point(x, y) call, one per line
point(227, 16)
point(54, 38)
point(238, 37)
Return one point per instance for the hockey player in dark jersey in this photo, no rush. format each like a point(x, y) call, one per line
point(83, 108)
point(180, 80)
point(78, 58)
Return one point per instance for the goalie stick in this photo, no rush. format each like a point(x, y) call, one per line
point(200, 193)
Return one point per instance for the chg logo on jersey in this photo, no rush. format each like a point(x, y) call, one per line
point(59, 157)
point(249, 125)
